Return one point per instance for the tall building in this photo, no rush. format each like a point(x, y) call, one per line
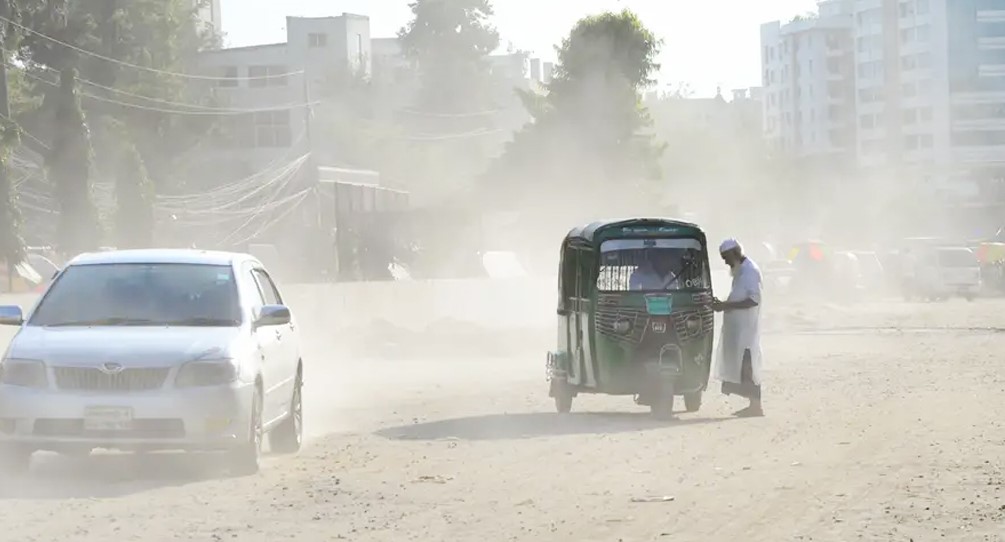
point(927, 88)
point(808, 80)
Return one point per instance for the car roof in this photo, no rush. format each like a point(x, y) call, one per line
point(164, 255)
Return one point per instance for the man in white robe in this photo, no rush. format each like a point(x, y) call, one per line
point(738, 357)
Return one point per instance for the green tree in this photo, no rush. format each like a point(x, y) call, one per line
point(449, 41)
point(69, 165)
point(134, 199)
point(12, 250)
point(590, 128)
point(164, 36)
point(442, 136)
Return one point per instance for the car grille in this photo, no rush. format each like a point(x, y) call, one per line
point(93, 379)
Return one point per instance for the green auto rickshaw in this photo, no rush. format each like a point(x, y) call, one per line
point(634, 314)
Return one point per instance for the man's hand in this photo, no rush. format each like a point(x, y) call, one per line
point(718, 306)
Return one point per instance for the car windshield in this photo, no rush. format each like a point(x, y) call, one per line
point(957, 257)
point(652, 265)
point(143, 294)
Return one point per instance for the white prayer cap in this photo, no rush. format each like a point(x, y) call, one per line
point(729, 244)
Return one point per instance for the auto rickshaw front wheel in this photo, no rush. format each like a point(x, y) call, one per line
point(563, 395)
point(662, 404)
point(692, 401)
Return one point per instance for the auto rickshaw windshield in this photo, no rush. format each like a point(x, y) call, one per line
point(652, 265)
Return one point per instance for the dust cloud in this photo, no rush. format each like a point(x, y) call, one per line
point(426, 407)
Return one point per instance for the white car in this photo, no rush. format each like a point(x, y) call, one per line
point(153, 350)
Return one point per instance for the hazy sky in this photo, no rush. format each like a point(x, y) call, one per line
point(707, 43)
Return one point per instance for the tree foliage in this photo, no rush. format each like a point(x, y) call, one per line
point(162, 35)
point(590, 128)
point(81, 58)
point(69, 165)
point(12, 249)
point(450, 41)
point(134, 199)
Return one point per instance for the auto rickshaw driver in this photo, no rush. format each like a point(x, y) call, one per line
point(659, 270)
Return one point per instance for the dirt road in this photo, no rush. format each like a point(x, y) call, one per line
point(884, 423)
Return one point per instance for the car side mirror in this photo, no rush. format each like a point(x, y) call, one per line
point(11, 315)
point(564, 312)
point(273, 315)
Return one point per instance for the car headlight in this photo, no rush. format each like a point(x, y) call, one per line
point(23, 372)
point(207, 373)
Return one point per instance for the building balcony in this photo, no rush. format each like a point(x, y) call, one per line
point(979, 125)
point(973, 98)
point(991, 70)
point(991, 16)
point(990, 154)
point(991, 43)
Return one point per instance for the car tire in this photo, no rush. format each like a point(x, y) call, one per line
point(14, 460)
point(288, 437)
point(245, 459)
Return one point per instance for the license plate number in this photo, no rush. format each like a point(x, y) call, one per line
point(108, 419)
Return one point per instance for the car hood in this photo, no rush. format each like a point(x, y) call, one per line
point(130, 346)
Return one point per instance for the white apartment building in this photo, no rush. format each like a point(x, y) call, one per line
point(277, 81)
point(808, 80)
point(928, 88)
point(902, 90)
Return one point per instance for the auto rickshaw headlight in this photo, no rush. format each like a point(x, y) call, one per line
point(693, 326)
point(622, 326)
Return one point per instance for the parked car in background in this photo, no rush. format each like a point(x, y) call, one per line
point(945, 272)
point(872, 273)
point(153, 350)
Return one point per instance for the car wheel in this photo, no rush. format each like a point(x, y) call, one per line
point(288, 437)
point(245, 458)
point(14, 460)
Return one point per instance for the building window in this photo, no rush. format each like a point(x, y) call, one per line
point(264, 129)
point(272, 129)
point(359, 51)
point(267, 76)
point(317, 40)
point(230, 74)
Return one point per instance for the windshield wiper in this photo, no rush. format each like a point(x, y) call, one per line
point(105, 322)
point(203, 322)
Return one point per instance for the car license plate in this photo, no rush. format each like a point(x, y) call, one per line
point(108, 419)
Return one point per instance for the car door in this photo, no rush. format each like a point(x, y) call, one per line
point(283, 364)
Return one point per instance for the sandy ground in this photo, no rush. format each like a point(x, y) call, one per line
point(884, 423)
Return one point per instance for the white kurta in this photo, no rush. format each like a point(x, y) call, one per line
point(740, 329)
